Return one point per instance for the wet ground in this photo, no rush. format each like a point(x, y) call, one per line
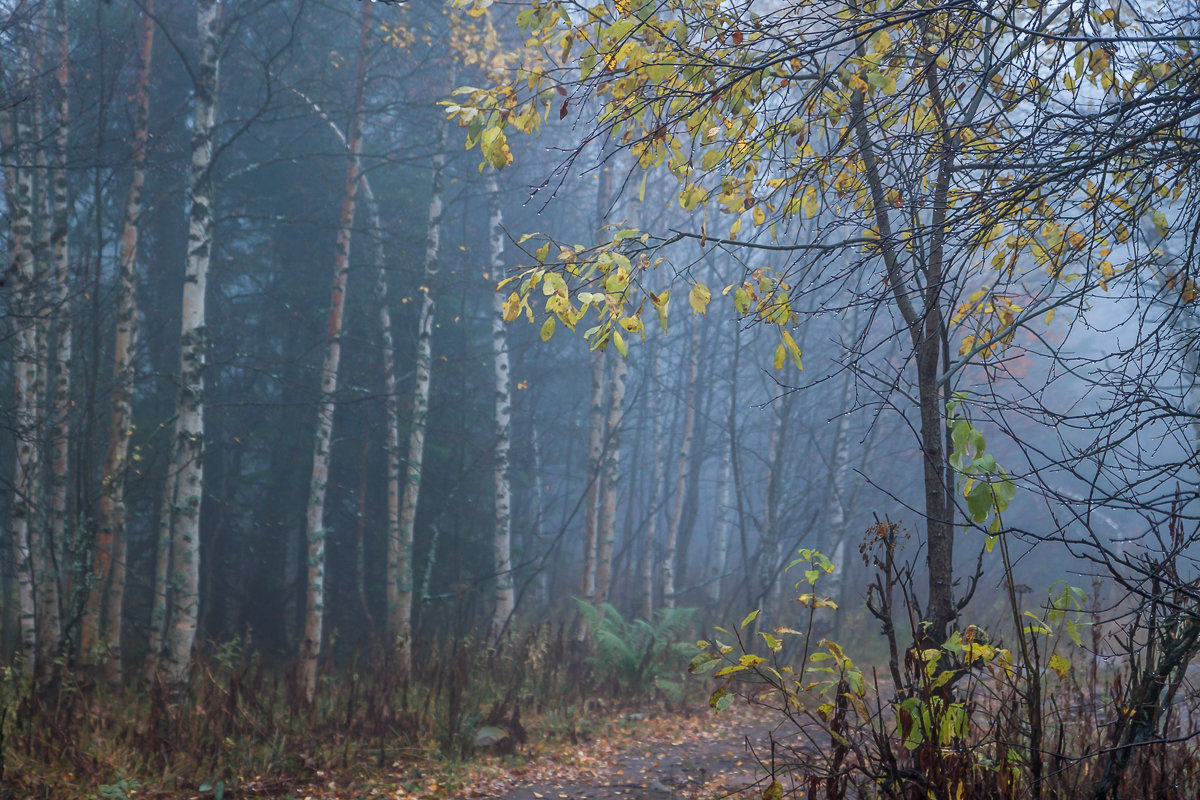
point(701, 762)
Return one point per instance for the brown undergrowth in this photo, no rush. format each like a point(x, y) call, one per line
point(237, 728)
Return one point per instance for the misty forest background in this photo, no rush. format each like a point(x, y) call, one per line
point(261, 399)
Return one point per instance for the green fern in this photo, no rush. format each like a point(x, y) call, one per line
point(637, 658)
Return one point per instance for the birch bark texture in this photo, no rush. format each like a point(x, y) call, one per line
point(502, 494)
point(670, 568)
point(402, 640)
point(187, 463)
point(19, 197)
point(315, 532)
point(110, 536)
point(60, 434)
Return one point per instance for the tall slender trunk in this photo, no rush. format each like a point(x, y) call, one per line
point(159, 608)
point(771, 550)
point(111, 532)
point(502, 530)
point(670, 568)
point(719, 551)
point(399, 567)
point(420, 404)
point(19, 196)
point(658, 479)
point(188, 463)
point(610, 471)
point(61, 433)
point(925, 332)
point(314, 617)
point(596, 415)
point(539, 518)
point(591, 519)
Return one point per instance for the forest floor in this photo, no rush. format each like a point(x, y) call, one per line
point(652, 757)
point(627, 755)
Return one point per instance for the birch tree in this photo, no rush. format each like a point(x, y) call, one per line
point(186, 483)
point(108, 562)
point(315, 532)
point(670, 569)
point(25, 522)
point(401, 616)
point(502, 494)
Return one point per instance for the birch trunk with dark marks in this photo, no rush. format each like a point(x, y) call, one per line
point(19, 198)
point(420, 403)
point(110, 537)
point(187, 465)
point(315, 533)
point(157, 635)
point(61, 402)
point(670, 568)
point(398, 556)
point(399, 566)
point(596, 410)
point(591, 519)
point(42, 543)
point(610, 471)
point(658, 479)
point(502, 520)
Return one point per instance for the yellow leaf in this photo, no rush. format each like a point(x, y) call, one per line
point(619, 342)
point(1049, 316)
point(793, 349)
point(780, 356)
point(760, 216)
point(512, 307)
point(811, 203)
point(698, 298)
point(548, 329)
point(1160, 223)
point(1060, 665)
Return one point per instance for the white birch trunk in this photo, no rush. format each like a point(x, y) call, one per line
point(770, 585)
point(610, 470)
point(61, 404)
point(420, 406)
point(591, 519)
point(658, 479)
point(314, 617)
point(399, 567)
point(502, 531)
point(155, 648)
point(19, 192)
point(685, 453)
point(111, 534)
point(718, 554)
point(188, 463)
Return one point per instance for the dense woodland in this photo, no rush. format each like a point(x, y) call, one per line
point(494, 350)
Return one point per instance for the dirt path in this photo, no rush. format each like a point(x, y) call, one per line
point(704, 757)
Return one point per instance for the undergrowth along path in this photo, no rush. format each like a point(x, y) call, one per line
point(702, 756)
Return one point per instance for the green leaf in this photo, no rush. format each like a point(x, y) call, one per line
point(773, 792)
point(979, 501)
point(741, 300)
point(753, 615)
